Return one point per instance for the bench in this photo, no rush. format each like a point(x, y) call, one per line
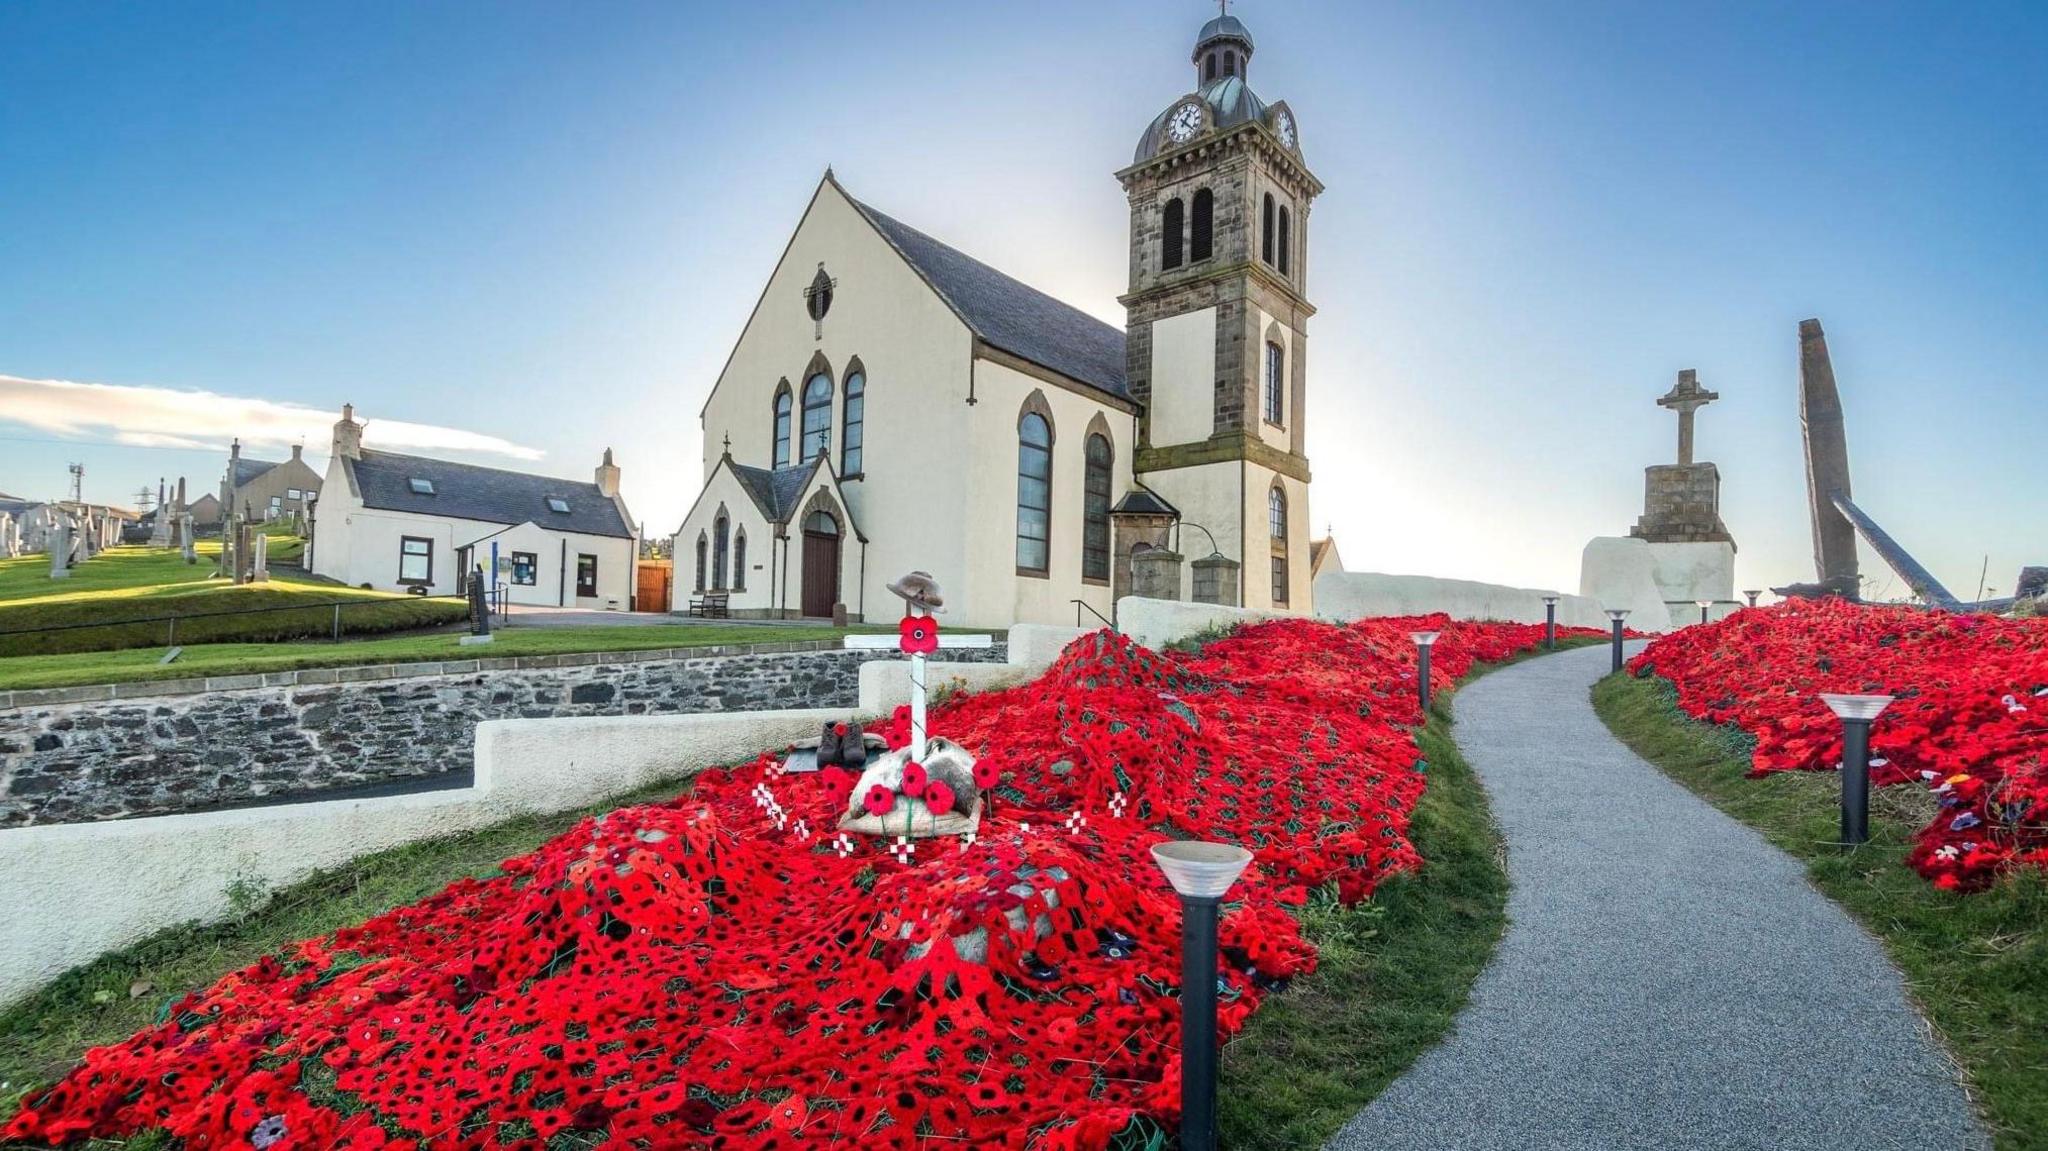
point(712, 606)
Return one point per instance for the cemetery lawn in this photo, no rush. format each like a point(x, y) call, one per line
point(1977, 963)
point(219, 659)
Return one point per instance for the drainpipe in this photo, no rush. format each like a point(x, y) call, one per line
point(562, 578)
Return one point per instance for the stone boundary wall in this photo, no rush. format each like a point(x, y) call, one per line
point(245, 740)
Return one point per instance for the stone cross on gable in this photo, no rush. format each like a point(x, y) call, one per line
point(1685, 398)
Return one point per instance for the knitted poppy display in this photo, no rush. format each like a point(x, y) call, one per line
point(1969, 724)
point(706, 973)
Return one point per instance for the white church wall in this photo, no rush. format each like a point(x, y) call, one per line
point(1183, 370)
point(1270, 328)
point(743, 515)
point(1258, 564)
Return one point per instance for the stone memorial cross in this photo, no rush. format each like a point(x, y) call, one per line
point(1686, 397)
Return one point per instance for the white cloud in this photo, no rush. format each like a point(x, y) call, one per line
point(175, 418)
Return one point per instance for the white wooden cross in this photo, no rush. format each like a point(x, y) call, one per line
point(919, 695)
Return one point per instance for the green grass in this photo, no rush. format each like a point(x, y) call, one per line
point(31, 671)
point(1976, 964)
point(1393, 972)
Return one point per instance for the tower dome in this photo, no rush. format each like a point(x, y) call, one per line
point(1222, 50)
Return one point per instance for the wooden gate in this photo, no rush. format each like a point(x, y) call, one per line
point(653, 585)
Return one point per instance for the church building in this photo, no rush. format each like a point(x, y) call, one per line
point(893, 404)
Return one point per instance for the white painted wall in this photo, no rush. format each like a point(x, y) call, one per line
point(1277, 435)
point(1183, 378)
point(1621, 572)
point(1154, 623)
point(764, 556)
point(75, 891)
point(370, 554)
point(1345, 596)
point(1689, 572)
point(1038, 645)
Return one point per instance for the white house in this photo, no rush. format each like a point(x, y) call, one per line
point(384, 520)
point(894, 404)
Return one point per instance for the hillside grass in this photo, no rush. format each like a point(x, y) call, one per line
point(1977, 964)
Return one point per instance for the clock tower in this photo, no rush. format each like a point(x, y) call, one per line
point(1217, 348)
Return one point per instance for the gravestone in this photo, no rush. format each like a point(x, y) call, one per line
point(190, 545)
point(160, 528)
point(10, 537)
point(259, 571)
point(60, 550)
point(1155, 574)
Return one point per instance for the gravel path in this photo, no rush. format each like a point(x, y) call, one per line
point(1667, 980)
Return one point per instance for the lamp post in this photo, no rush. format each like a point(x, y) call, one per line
point(1704, 605)
point(1856, 713)
point(1200, 872)
point(1617, 614)
point(1752, 594)
point(1424, 640)
point(1550, 623)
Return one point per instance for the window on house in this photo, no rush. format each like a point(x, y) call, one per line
point(721, 544)
point(1095, 511)
point(415, 560)
point(525, 569)
point(739, 561)
point(558, 505)
point(782, 426)
point(1266, 229)
point(853, 433)
point(1201, 238)
point(1034, 494)
point(586, 576)
point(1170, 221)
point(276, 502)
point(817, 418)
point(421, 487)
point(703, 547)
point(1276, 383)
point(1286, 240)
point(294, 494)
point(1276, 522)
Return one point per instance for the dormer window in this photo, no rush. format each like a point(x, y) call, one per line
point(421, 487)
point(558, 505)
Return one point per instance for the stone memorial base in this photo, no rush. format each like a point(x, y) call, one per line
point(1690, 572)
point(1621, 572)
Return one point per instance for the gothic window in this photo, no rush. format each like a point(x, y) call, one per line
point(1034, 494)
point(1286, 240)
point(1095, 511)
point(721, 543)
point(782, 426)
point(1276, 523)
point(1170, 235)
point(1201, 238)
point(817, 418)
point(1276, 382)
point(702, 548)
point(1266, 230)
point(739, 561)
point(852, 431)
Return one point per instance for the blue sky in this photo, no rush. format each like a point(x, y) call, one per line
point(537, 229)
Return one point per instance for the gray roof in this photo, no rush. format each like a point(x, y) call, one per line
point(487, 495)
point(248, 468)
point(1144, 502)
point(1013, 316)
point(16, 506)
point(1231, 102)
point(775, 490)
point(1223, 26)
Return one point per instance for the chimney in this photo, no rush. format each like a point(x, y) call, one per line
point(608, 476)
point(296, 450)
point(235, 450)
point(348, 435)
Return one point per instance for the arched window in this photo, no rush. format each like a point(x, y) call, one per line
point(852, 432)
point(1208, 67)
point(739, 561)
point(721, 544)
point(703, 546)
point(1170, 235)
point(782, 426)
point(1034, 494)
point(1230, 63)
point(1286, 240)
point(1095, 510)
point(1276, 382)
point(1201, 237)
point(1266, 229)
point(817, 418)
point(1276, 523)
point(821, 524)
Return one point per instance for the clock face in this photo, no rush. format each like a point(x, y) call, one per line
point(1186, 121)
point(1285, 126)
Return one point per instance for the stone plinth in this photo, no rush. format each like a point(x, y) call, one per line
point(1689, 572)
point(1618, 572)
point(1155, 574)
point(1681, 504)
point(1215, 580)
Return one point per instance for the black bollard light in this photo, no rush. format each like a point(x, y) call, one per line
point(1424, 640)
point(1200, 873)
point(1617, 614)
point(1704, 605)
point(1752, 595)
point(1856, 712)
point(1550, 623)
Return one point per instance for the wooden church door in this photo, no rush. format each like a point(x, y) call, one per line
point(821, 565)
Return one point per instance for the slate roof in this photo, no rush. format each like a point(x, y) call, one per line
point(487, 495)
point(1143, 502)
point(247, 469)
point(775, 491)
point(1011, 315)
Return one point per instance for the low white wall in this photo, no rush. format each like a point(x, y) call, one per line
point(885, 683)
point(1346, 596)
point(1037, 645)
point(75, 891)
point(1155, 623)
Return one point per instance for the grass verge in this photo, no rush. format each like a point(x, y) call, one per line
point(1976, 964)
point(1392, 973)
